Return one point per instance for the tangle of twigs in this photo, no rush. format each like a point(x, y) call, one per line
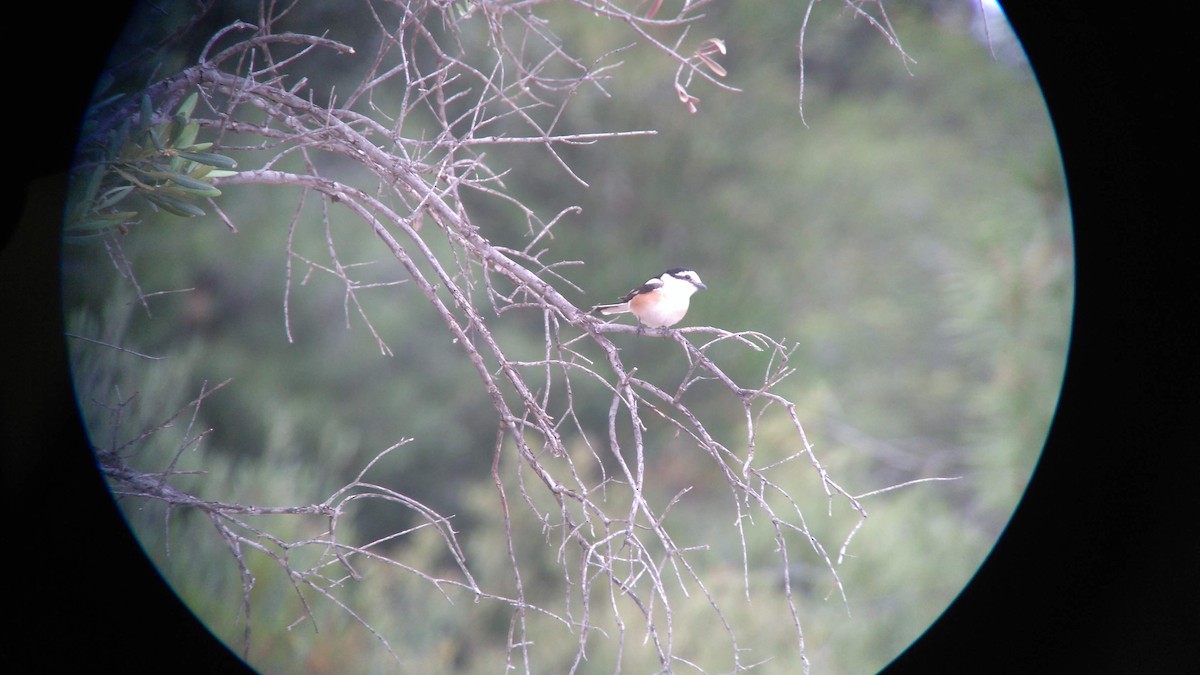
point(424, 149)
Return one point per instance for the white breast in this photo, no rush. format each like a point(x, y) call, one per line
point(674, 298)
point(666, 313)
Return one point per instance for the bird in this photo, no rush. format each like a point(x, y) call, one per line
point(661, 302)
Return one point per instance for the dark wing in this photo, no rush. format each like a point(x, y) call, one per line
point(644, 288)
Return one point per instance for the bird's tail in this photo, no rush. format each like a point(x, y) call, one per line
point(611, 309)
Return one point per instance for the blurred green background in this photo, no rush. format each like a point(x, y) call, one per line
point(913, 240)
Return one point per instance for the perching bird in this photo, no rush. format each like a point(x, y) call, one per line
point(661, 301)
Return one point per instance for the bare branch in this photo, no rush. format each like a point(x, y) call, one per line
point(462, 77)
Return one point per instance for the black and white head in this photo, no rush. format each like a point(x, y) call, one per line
point(681, 279)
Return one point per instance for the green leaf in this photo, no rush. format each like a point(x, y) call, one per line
point(82, 233)
point(132, 179)
point(194, 185)
point(101, 221)
point(117, 139)
point(218, 173)
point(174, 205)
point(146, 114)
point(116, 217)
point(159, 173)
point(104, 102)
point(93, 185)
point(187, 135)
point(188, 105)
point(210, 158)
point(154, 133)
point(112, 197)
